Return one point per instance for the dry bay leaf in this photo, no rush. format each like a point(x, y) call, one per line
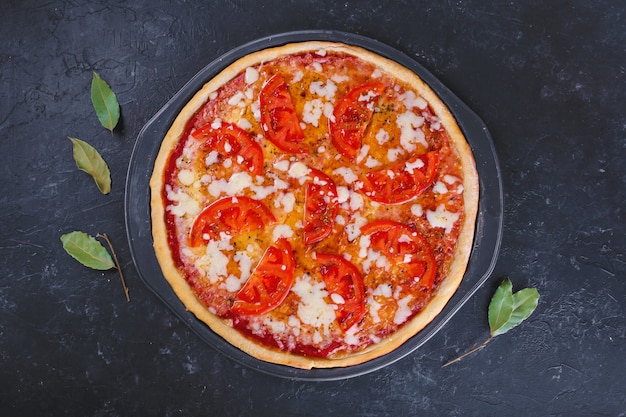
point(89, 160)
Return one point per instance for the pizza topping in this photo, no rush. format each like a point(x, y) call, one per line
point(402, 181)
point(320, 207)
point(270, 282)
point(352, 115)
point(442, 218)
point(231, 141)
point(278, 116)
point(232, 215)
point(185, 204)
point(295, 196)
point(405, 248)
point(312, 308)
point(345, 285)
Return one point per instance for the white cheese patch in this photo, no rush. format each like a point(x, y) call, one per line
point(282, 230)
point(393, 153)
point(404, 311)
point(382, 137)
point(343, 194)
point(442, 218)
point(383, 290)
point(440, 188)
point(374, 307)
point(313, 308)
point(362, 153)
point(416, 210)
point(327, 90)
point(356, 201)
point(375, 258)
point(450, 179)
point(251, 75)
point(410, 132)
point(337, 299)
point(364, 244)
point(216, 124)
point(186, 177)
point(347, 174)
point(214, 262)
point(298, 170)
point(351, 337)
point(372, 162)
point(185, 204)
point(237, 182)
point(245, 263)
point(244, 124)
point(411, 100)
point(238, 99)
point(282, 165)
point(232, 284)
point(312, 111)
point(376, 73)
point(321, 52)
point(337, 78)
point(211, 158)
point(255, 107)
point(286, 200)
point(297, 76)
point(317, 66)
point(411, 166)
point(353, 229)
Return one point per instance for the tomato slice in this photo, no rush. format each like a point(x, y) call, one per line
point(230, 141)
point(279, 120)
point(402, 181)
point(232, 215)
point(270, 282)
point(344, 279)
point(320, 207)
point(404, 247)
point(352, 115)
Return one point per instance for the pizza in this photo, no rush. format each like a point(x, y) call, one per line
point(314, 204)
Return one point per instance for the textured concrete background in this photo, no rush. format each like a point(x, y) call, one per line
point(546, 77)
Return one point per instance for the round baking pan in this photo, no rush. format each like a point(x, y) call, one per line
point(488, 224)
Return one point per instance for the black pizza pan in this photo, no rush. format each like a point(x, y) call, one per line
point(488, 224)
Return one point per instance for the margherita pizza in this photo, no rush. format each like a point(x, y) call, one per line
point(314, 204)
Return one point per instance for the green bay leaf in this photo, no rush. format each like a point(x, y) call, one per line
point(507, 309)
point(104, 102)
point(501, 307)
point(89, 160)
point(87, 250)
point(524, 303)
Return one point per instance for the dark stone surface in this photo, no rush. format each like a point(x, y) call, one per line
point(547, 77)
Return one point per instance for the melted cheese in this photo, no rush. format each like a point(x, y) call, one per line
point(442, 218)
point(313, 308)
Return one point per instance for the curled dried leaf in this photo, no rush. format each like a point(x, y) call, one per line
point(89, 160)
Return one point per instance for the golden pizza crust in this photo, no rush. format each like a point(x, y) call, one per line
point(442, 294)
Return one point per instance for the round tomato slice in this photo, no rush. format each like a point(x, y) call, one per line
point(402, 181)
point(320, 207)
point(343, 279)
point(404, 247)
point(231, 141)
point(351, 116)
point(270, 282)
point(232, 215)
point(279, 120)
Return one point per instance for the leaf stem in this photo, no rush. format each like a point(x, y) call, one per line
point(117, 264)
point(469, 352)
